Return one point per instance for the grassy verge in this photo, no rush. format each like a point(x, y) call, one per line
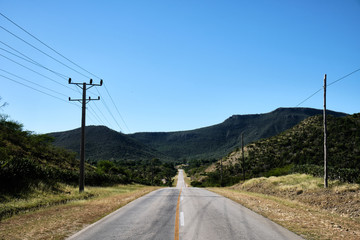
point(187, 179)
point(62, 220)
point(300, 204)
point(39, 197)
point(175, 180)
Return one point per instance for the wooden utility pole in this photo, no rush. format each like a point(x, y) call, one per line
point(243, 158)
point(82, 145)
point(83, 101)
point(325, 138)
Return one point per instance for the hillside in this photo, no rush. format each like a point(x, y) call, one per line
point(103, 143)
point(218, 140)
point(27, 160)
point(299, 149)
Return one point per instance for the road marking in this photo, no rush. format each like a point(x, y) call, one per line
point(182, 223)
point(181, 198)
point(177, 217)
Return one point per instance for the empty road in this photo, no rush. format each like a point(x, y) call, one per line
point(184, 213)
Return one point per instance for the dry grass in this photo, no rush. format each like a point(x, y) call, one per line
point(58, 222)
point(231, 159)
point(40, 196)
point(299, 203)
point(175, 180)
point(292, 182)
point(187, 179)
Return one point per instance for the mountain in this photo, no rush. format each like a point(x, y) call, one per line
point(299, 149)
point(218, 140)
point(103, 143)
point(211, 142)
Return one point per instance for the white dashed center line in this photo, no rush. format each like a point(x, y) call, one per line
point(182, 223)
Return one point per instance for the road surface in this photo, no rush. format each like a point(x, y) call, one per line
point(184, 213)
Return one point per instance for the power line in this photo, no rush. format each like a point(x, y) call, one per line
point(36, 72)
point(42, 51)
point(309, 97)
point(7, 45)
point(116, 108)
point(337, 80)
point(95, 104)
point(347, 75)
point(48, 46)
point(48, 94)
point(30, 60)
point(77, 65)
point(14, 75)
point(108, 110)
point(89, 116)
point(91, 110)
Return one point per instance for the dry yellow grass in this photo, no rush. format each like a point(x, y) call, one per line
point(301, 204)
point(175, 180)
point(58, 222)
point(187, 179)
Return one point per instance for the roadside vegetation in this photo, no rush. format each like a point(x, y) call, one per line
point(29, 161)
point(187, 179)
point(301, 204)
point(196, 170)
point(35, 174)
point(39, 198)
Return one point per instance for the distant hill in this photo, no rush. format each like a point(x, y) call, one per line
point(299, 149)
point(103, 143)
point(218, 140)
point(211, 142)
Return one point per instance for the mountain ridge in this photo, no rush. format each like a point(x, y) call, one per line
point(103, 143)
point(217, 140)
point(213, 141)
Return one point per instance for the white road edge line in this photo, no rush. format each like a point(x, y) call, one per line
point(182, 223)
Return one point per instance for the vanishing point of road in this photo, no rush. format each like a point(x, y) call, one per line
point(184, 213)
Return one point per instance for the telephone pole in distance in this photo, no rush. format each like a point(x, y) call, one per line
point(84, 86)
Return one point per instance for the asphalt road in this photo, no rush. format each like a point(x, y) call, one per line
point(184, 213)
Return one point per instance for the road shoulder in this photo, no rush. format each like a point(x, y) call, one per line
point(309, 222)
point(58, 222)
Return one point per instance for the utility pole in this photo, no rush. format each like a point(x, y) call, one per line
point(325, 138)
point(243, 158)
point(84, 86)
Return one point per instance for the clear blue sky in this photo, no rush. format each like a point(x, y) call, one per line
point(179, 65)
